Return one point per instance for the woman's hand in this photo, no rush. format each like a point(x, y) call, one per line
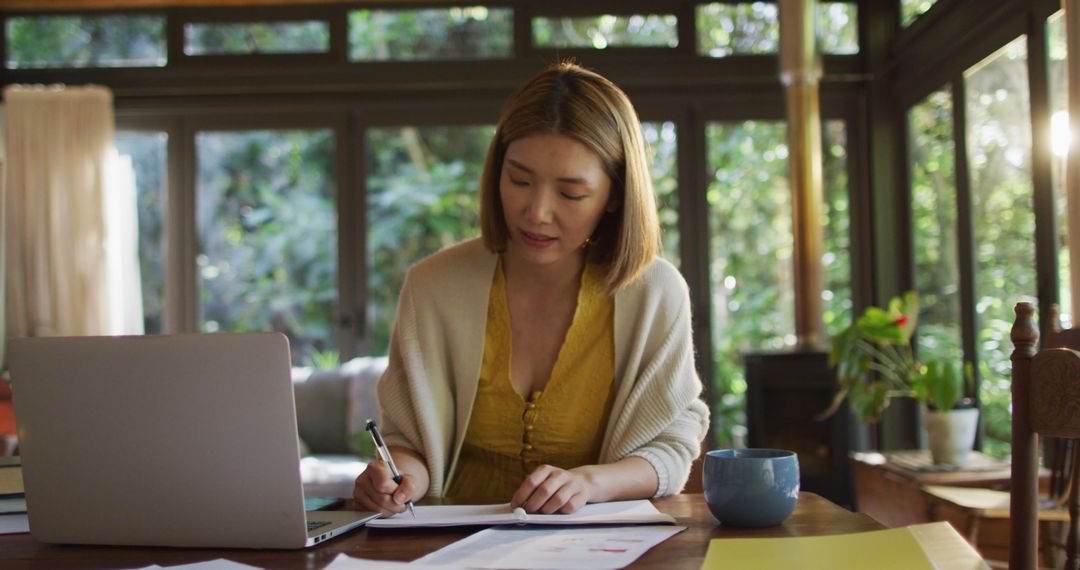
point(550, 490)
point(375, 489)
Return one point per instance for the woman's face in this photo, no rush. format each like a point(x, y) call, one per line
point(554, 191)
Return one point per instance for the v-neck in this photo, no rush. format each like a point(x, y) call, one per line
point(584, 280)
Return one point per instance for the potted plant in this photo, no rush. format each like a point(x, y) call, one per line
point(874, 363)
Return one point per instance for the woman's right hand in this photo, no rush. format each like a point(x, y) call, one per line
point(375, 489)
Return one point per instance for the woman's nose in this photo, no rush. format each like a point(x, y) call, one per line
point(538, 209)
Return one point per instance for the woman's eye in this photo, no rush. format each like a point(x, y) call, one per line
point(517, 182)
point(573, 197)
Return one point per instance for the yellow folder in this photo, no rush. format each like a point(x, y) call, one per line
point(917, 547)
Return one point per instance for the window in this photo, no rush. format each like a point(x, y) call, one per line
point(1059, 131)
point(474, 32)
point(836, 251)
point(599, 32)
point(1003, 221)
point(256, 37)
point(85, 41)
point(267, 230)
point(750, 249)
point(753, 28)
point(838, 28)
point(910, 10)
point(422, 195)
point(148, 159)
point(934, 231)
point(662, 141)
point(738, 29)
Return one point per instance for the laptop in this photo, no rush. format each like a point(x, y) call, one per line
point(174, 440)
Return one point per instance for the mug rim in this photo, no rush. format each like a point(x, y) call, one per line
point(749, 453)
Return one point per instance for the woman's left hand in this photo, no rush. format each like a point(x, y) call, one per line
point(550, 490)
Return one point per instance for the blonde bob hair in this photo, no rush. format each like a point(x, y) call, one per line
point(569, 100)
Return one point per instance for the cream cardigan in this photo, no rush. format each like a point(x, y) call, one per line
point(426, 394)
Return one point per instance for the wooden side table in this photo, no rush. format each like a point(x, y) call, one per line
point(891, 488)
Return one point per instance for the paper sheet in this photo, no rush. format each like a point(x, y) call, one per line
point(11, 481)
point(14, 524)
point(346, 562)
point(615, 512)
point(219, 564)
point(517, 548)
point(892, 549)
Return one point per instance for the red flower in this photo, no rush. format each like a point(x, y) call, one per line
point(901, 321)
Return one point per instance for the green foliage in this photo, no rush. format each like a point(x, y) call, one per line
point(257, 37)
point(599, 32)
point(432, 33)
point(422, 196)
point(267, 228)
point(873, 358)
point(941, 384)
point(118, 40)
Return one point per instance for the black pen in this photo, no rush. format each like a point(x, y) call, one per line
point(380, 447)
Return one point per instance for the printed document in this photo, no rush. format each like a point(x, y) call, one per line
point(616, 512)
point(522, 548)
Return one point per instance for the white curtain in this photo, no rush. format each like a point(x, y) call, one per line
point(71, 265)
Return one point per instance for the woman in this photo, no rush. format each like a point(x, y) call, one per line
point(549, 363)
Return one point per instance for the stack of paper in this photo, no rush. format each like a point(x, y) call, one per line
point(917, 547)
point(616, 512)
point(12, 500)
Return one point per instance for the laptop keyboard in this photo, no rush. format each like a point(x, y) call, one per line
point(312, 525)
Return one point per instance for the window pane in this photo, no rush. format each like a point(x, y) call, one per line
point(599, 32)
point(267, 229)
point(257, 37)
point(836, 258)
point(147, 151)
point(85, 41)
point(422, 193)
point(934, 218)
point(663, 147)
point(999, 153)
point(475, 32)
point(1059, 131)
point(750, 255)
point(838, 28)
point(912, 9)
point(734, 29)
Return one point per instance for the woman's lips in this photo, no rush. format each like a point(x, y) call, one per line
point(536, 241)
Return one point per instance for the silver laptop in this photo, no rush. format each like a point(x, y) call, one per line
point(176, 440)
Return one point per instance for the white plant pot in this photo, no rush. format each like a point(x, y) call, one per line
point(951, 434)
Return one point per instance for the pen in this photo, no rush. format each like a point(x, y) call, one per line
point(380, 446)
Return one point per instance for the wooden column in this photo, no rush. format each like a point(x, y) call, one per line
point(1072, 168)
point(800, 72)
point(1023, 499)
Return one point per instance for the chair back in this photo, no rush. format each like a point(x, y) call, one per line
point(1046, 401)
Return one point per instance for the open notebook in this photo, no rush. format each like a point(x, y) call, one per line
point(618, 512)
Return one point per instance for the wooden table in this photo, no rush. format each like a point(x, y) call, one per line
point(813, 516)
point(893, 495)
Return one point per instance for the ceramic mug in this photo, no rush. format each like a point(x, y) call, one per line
point(751, 487)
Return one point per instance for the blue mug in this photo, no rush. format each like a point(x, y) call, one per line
point(751, 487)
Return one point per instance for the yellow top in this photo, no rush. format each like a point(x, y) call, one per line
point(562, 425)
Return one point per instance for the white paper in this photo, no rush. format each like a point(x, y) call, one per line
point(346, 562)
point(518, 548)
point(219, 564)
point(616, 512)
point(14, 524)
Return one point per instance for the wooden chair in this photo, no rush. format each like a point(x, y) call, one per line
point(1046, 401)
point(982, 515)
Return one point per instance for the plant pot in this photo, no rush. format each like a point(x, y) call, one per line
point(951, 434)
